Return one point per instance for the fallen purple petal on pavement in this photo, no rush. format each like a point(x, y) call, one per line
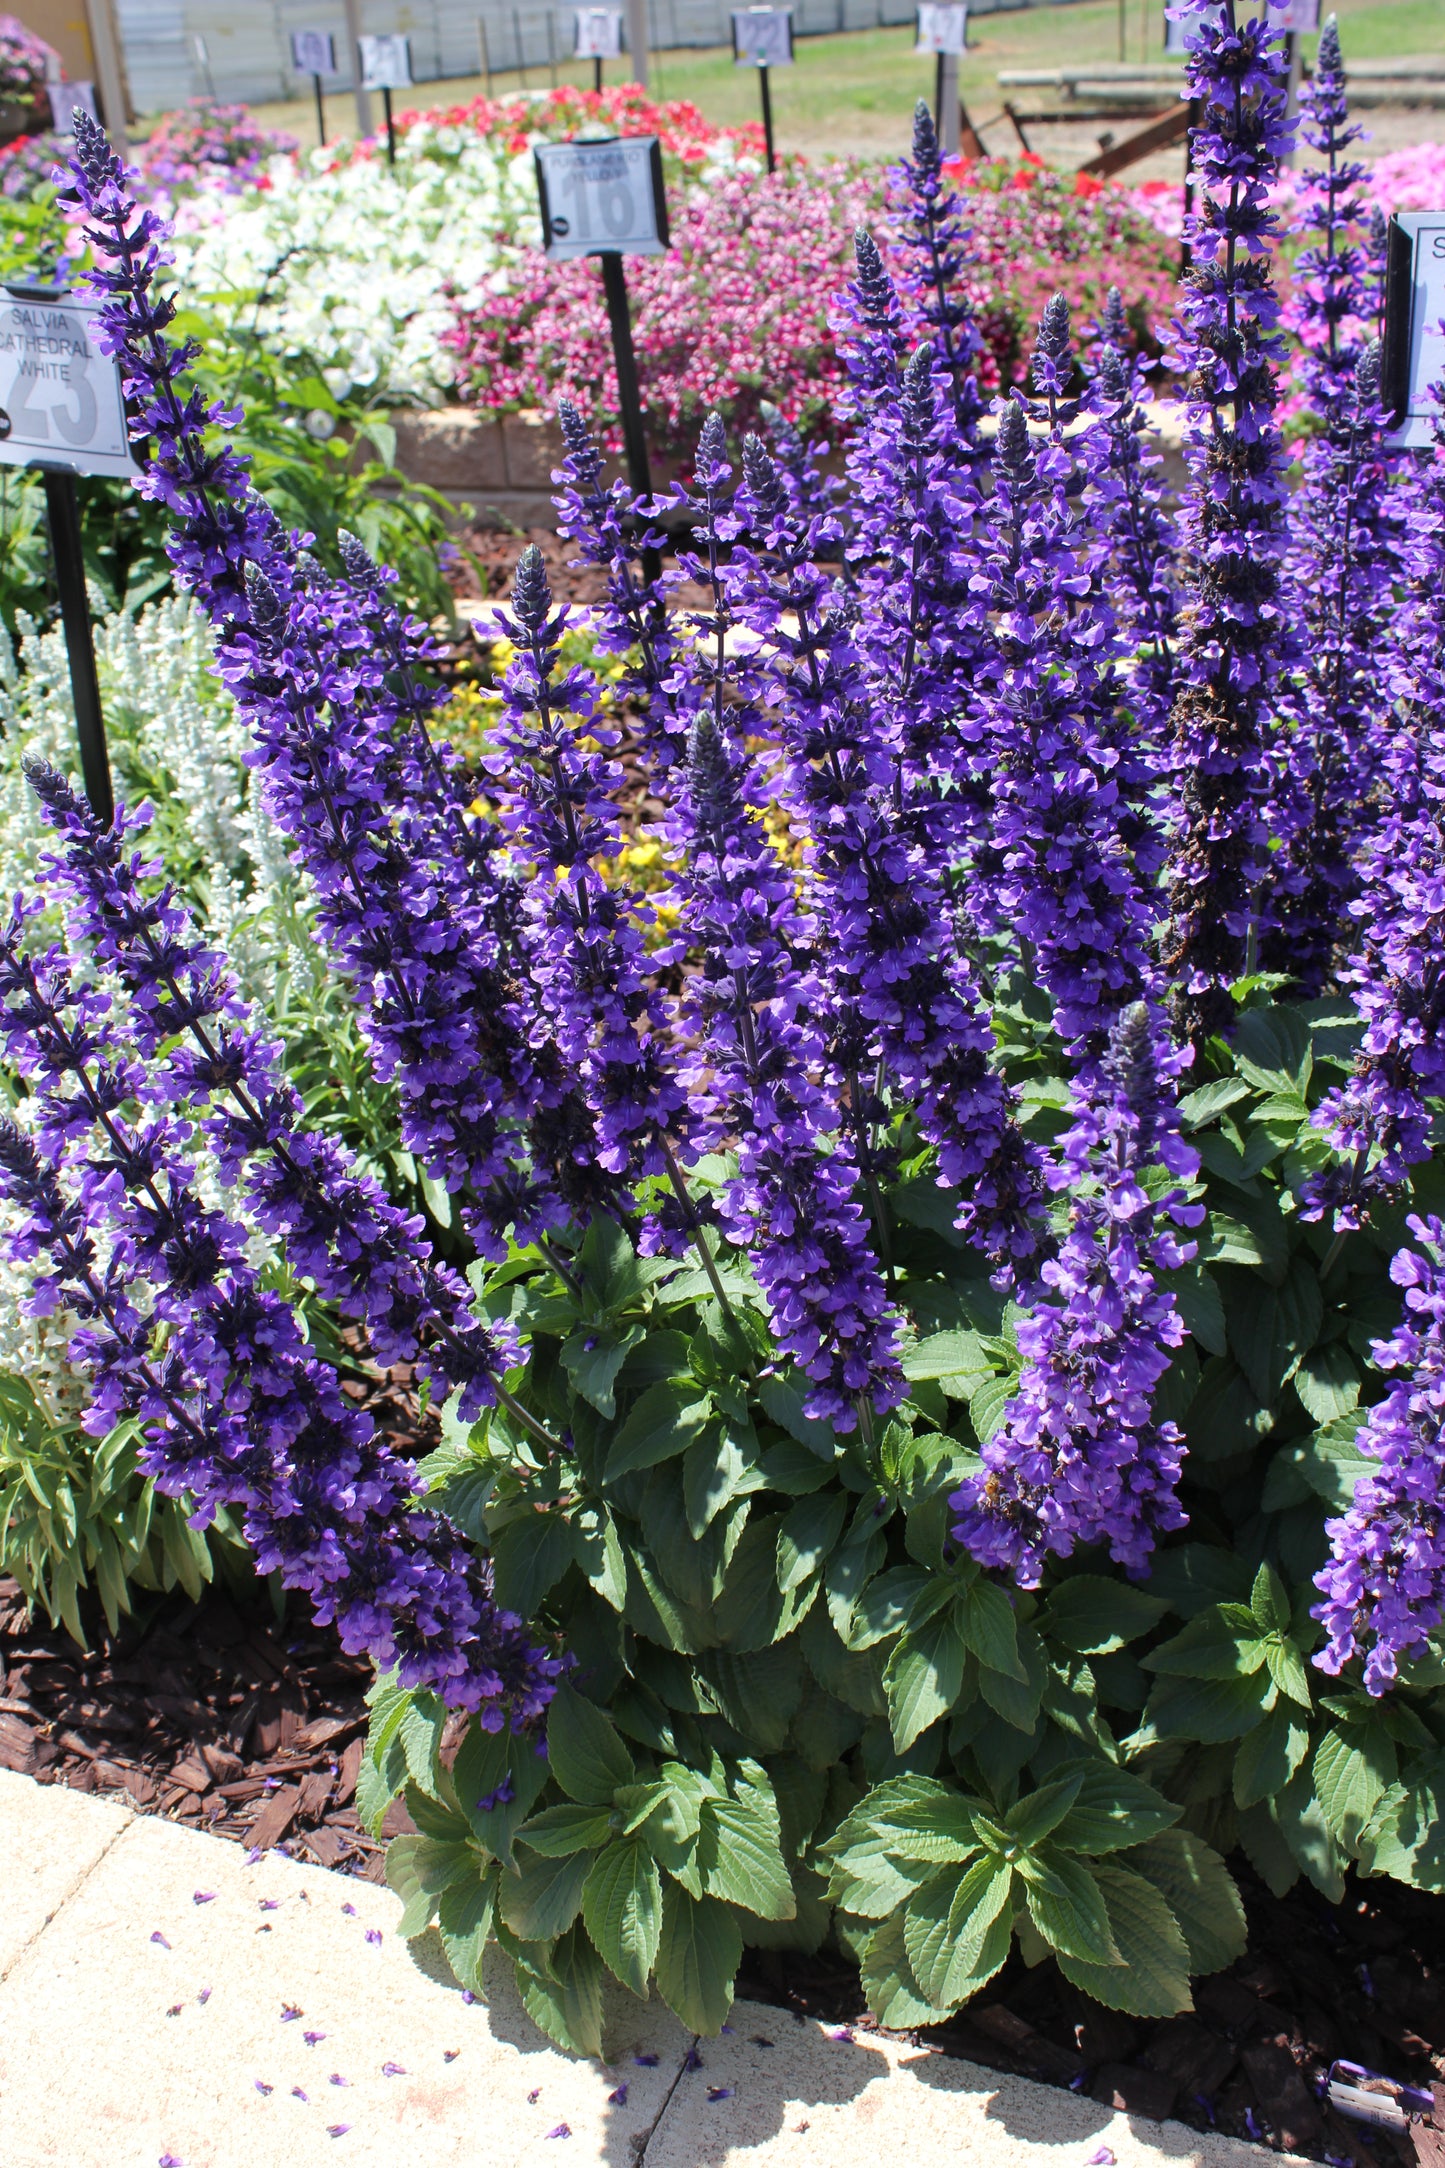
point(373, 1934)
point(203, 1897)
point(263, 2087)
point(290, 2011)
point(157, 1936)
point(393, 2070)
point(645, 2062)
point(719, 2092)
point(312, 2038)
point(204, 1997)
point(563, 2130)
point(1103, 2158)
point(617, 2098)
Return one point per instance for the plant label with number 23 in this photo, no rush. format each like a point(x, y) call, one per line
point(1414, 358)
point(60, 397)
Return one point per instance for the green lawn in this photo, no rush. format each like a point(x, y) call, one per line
point(855, 92)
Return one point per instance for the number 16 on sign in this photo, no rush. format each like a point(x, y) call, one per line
point(607, 199)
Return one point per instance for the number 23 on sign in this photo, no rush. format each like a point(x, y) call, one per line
point(60, 397)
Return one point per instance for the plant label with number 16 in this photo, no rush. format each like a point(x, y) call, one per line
point(599, 34)
point(313, 52)
point(942, 29)
point(602, 199)
point(763, 37)
point(60, 396)
point(385, 62)
point(1414, 358)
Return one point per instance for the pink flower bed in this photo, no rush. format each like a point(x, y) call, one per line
point(734, 313)
point(208, 145)
point(1036, 233)
point(739, 309)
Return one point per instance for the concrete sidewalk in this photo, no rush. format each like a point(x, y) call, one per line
point(163, 2004)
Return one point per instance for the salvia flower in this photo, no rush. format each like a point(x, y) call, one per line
point(1384, 1585)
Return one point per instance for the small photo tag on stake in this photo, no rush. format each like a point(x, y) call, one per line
point(599, 34)
point(942, 29)
point(1414, 358)
point(65, 99)
point(602, 199)
point(385, 62)
point(763, 37)
point(313, 52)
point(60, 396)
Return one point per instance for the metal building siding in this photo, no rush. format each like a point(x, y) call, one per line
point(248, 41)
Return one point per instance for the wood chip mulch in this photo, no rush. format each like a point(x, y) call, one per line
point(214, 1715)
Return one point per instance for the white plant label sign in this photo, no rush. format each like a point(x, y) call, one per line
point(385, 62)
point(65, 100)
point(602, 198)
point(1414, 339)
point(313, 52)
point(60, 397)
point(763, 37)
point(942, 29)
point(599, 34)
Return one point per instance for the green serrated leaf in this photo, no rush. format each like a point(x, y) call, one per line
point(1112, 1809)
point(556, 1831)
point(497, 1776)
point(529, 1556)
point(592, 1359)
point(464, 1917)
point(712, 1469)
point(1092, 1615)
point(1328, 1382)
point(584, 1750)
point(544, 1896)
point(698, 1954)
point(1199, 1891)
point(622, 1911)
point(1209, 1710)
point(566, 2000)
point(924, 1676)
point(894, 1995)
point(808, 1535)
point(1151, 1978)
point(1406, 1837)
point(419, 1869)
point(948, 1930)
point(1269, 1601)
point(663, 1423)
point(1269, 1756)
point(1353, 1769)
point(740, 1857)
point(1066, 1907)
point(990, 1630)
point(1042, 1810)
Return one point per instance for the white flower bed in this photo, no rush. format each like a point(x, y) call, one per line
point(354, 259)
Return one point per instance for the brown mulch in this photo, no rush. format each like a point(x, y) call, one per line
point(215, 1715)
